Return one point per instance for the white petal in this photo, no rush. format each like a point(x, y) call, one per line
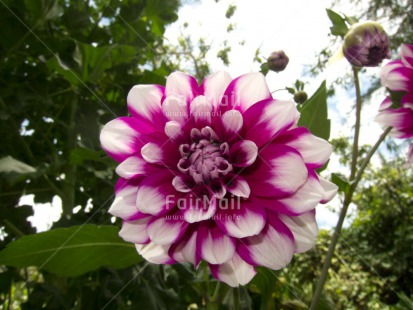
point(237, 186)
point(124, 205)
point(156, 195)
point(245, 91)
point(269, 118)
point(272, 248)
point(164, 231)
point(144, 101)
point(186, 250)
point(305, 199)
point(235, 272)
point(304, 229)
point(134, 166)
point(313, 149)
point(231, 123)
point(244, 220)
point(135, 231)
point(330, 190)
point(201, 110)
point(156, 254)
point(182, 85)
point(215, 247)
point(173, 130)
point(120, 139)
point(214, 86)
point(153, 153)
point(175, 108)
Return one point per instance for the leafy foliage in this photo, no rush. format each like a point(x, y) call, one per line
point(71, 251)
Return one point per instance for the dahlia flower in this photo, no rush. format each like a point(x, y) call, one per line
point(366, 44)
point(218, 172)
point(397, 76)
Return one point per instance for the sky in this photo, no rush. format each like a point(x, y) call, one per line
point(298, 27)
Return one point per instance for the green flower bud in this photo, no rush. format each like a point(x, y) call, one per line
point(277, 61)
point(300, 97)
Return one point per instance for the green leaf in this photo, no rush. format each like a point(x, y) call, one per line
point(314, 114)
point(339, 27)
point(265, 282)
point(264, 68)
point(71, 251)
point(341, 181)
point(79, 155)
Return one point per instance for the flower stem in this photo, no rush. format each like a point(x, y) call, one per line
point(347, 200)
point(236, 298)
point(356, 126)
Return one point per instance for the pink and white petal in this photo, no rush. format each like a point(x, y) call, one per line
point(396, 76)
point(174, 131)
point(164, 230)
point(214, 246)
point(197, 207)
point(406, 53)
point(135, 166)
point(154, 253)
point(387, 103)
point(182, 85)
point(278, 172)
point(304, 229)
point(229, 125)
point(135, 231)
point(121, 138)
point(314, 150)
point(183, 183)
point(213, 87)
point(235, 272)
point(124, 205)
point(156, 195)
point(273, 247)
point(243, 153)
point(237, 185)
point(175, 108)
point(161, 152)
point(144, 103)
point(400, 119)
point(244, 220)
point(201, 110)
point(218, 189)
point(306, 198)
point(330, 190)
point(245, 91)
point(185, 249)
point(267, 119)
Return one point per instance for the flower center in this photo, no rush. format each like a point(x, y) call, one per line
point(205, 157)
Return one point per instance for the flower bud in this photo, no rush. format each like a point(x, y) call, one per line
point(366, 44)
point(277, 61)
point(300, 97)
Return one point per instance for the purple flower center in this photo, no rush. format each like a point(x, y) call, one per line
point(204, 158)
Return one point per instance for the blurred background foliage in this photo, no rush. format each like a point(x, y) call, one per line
point(66, 67)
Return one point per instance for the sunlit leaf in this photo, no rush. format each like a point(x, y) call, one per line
point(314, 114)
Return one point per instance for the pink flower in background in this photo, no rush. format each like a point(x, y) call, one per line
point(397, 76)
point(218, 172)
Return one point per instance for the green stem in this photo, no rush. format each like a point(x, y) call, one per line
point(347, 200)
point(357, 125)
point(235, 295)
point(69, 170)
